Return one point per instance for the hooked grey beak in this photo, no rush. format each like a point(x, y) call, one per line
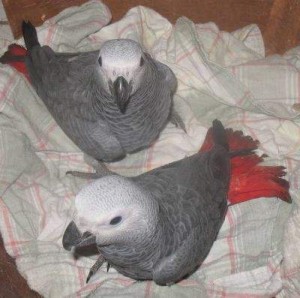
point(121, 91)
point(72, 237)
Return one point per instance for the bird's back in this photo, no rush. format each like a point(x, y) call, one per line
point(188, 195)
point(192, 198)
point(67, 85)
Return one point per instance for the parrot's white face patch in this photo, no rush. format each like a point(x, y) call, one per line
point(105, 197)
point(105, 223)
point(121, 57)
point(124, 53)
point(110, 208)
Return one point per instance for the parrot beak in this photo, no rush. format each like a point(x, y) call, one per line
point(121, 90)
point(72, 238)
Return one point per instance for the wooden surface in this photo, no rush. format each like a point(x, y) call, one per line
point(279, 21)
point(12, 284)
point(37, 11)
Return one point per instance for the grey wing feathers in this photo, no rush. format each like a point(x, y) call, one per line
point(190, 226)
point(58, 76)
point(61, 81)
point(190, 223)
point(192, 194)
point(169, 76)
point(187, 257)
point(104, 144)
point(171, 80)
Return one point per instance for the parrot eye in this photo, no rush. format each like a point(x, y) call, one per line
point(142, 61)
point(115, 220)
point(100, 61)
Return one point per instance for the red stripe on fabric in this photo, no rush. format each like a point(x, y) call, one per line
point(81, 275)
point(242, 99)
point(188, 283)
point(148, 289)
point(255, 63)
point(288, 274)
point(42, 144)
point(40, 200)
point(215, 42)
point(51, 128)
point(213, 292)
point(50, 34)
point(150, 154)
point(91, 286)
point(4, 92)
point(186, 54)
point(6, 218)
point(125, 281)
point(129, 26)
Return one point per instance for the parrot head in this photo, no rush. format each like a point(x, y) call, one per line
point(111, 210)
point(121, 64)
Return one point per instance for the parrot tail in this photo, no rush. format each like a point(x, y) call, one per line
point(29, 35)
point(219, 134)
point(249, 180)
point(15, 57)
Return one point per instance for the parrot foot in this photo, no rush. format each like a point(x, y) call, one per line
point(95, 267)
point(84, 175)
point(100, 169)
point(177, 120)
point(169, 284)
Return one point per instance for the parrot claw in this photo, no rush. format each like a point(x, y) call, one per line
point(84, 175)
point(177, 121)
point(107, 267)
point(89, 276)
point(100, 170)
point(95, 267)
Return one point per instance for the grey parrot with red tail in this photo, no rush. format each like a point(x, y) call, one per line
point(162, 224)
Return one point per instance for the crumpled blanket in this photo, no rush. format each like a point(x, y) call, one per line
point(220, 75)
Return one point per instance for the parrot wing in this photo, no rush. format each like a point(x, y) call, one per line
point(171, 80)
point(65, 84)
point(192, 195)
point(191, 225)
point(58, 78)
point(184, 260)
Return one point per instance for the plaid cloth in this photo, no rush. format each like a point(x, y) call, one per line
point(220, 75)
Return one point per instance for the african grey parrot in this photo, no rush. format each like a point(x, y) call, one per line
point(159, 225)
point(109, 102)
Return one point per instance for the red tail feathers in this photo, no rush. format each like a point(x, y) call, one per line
point(250, 180)
point(15, 57)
